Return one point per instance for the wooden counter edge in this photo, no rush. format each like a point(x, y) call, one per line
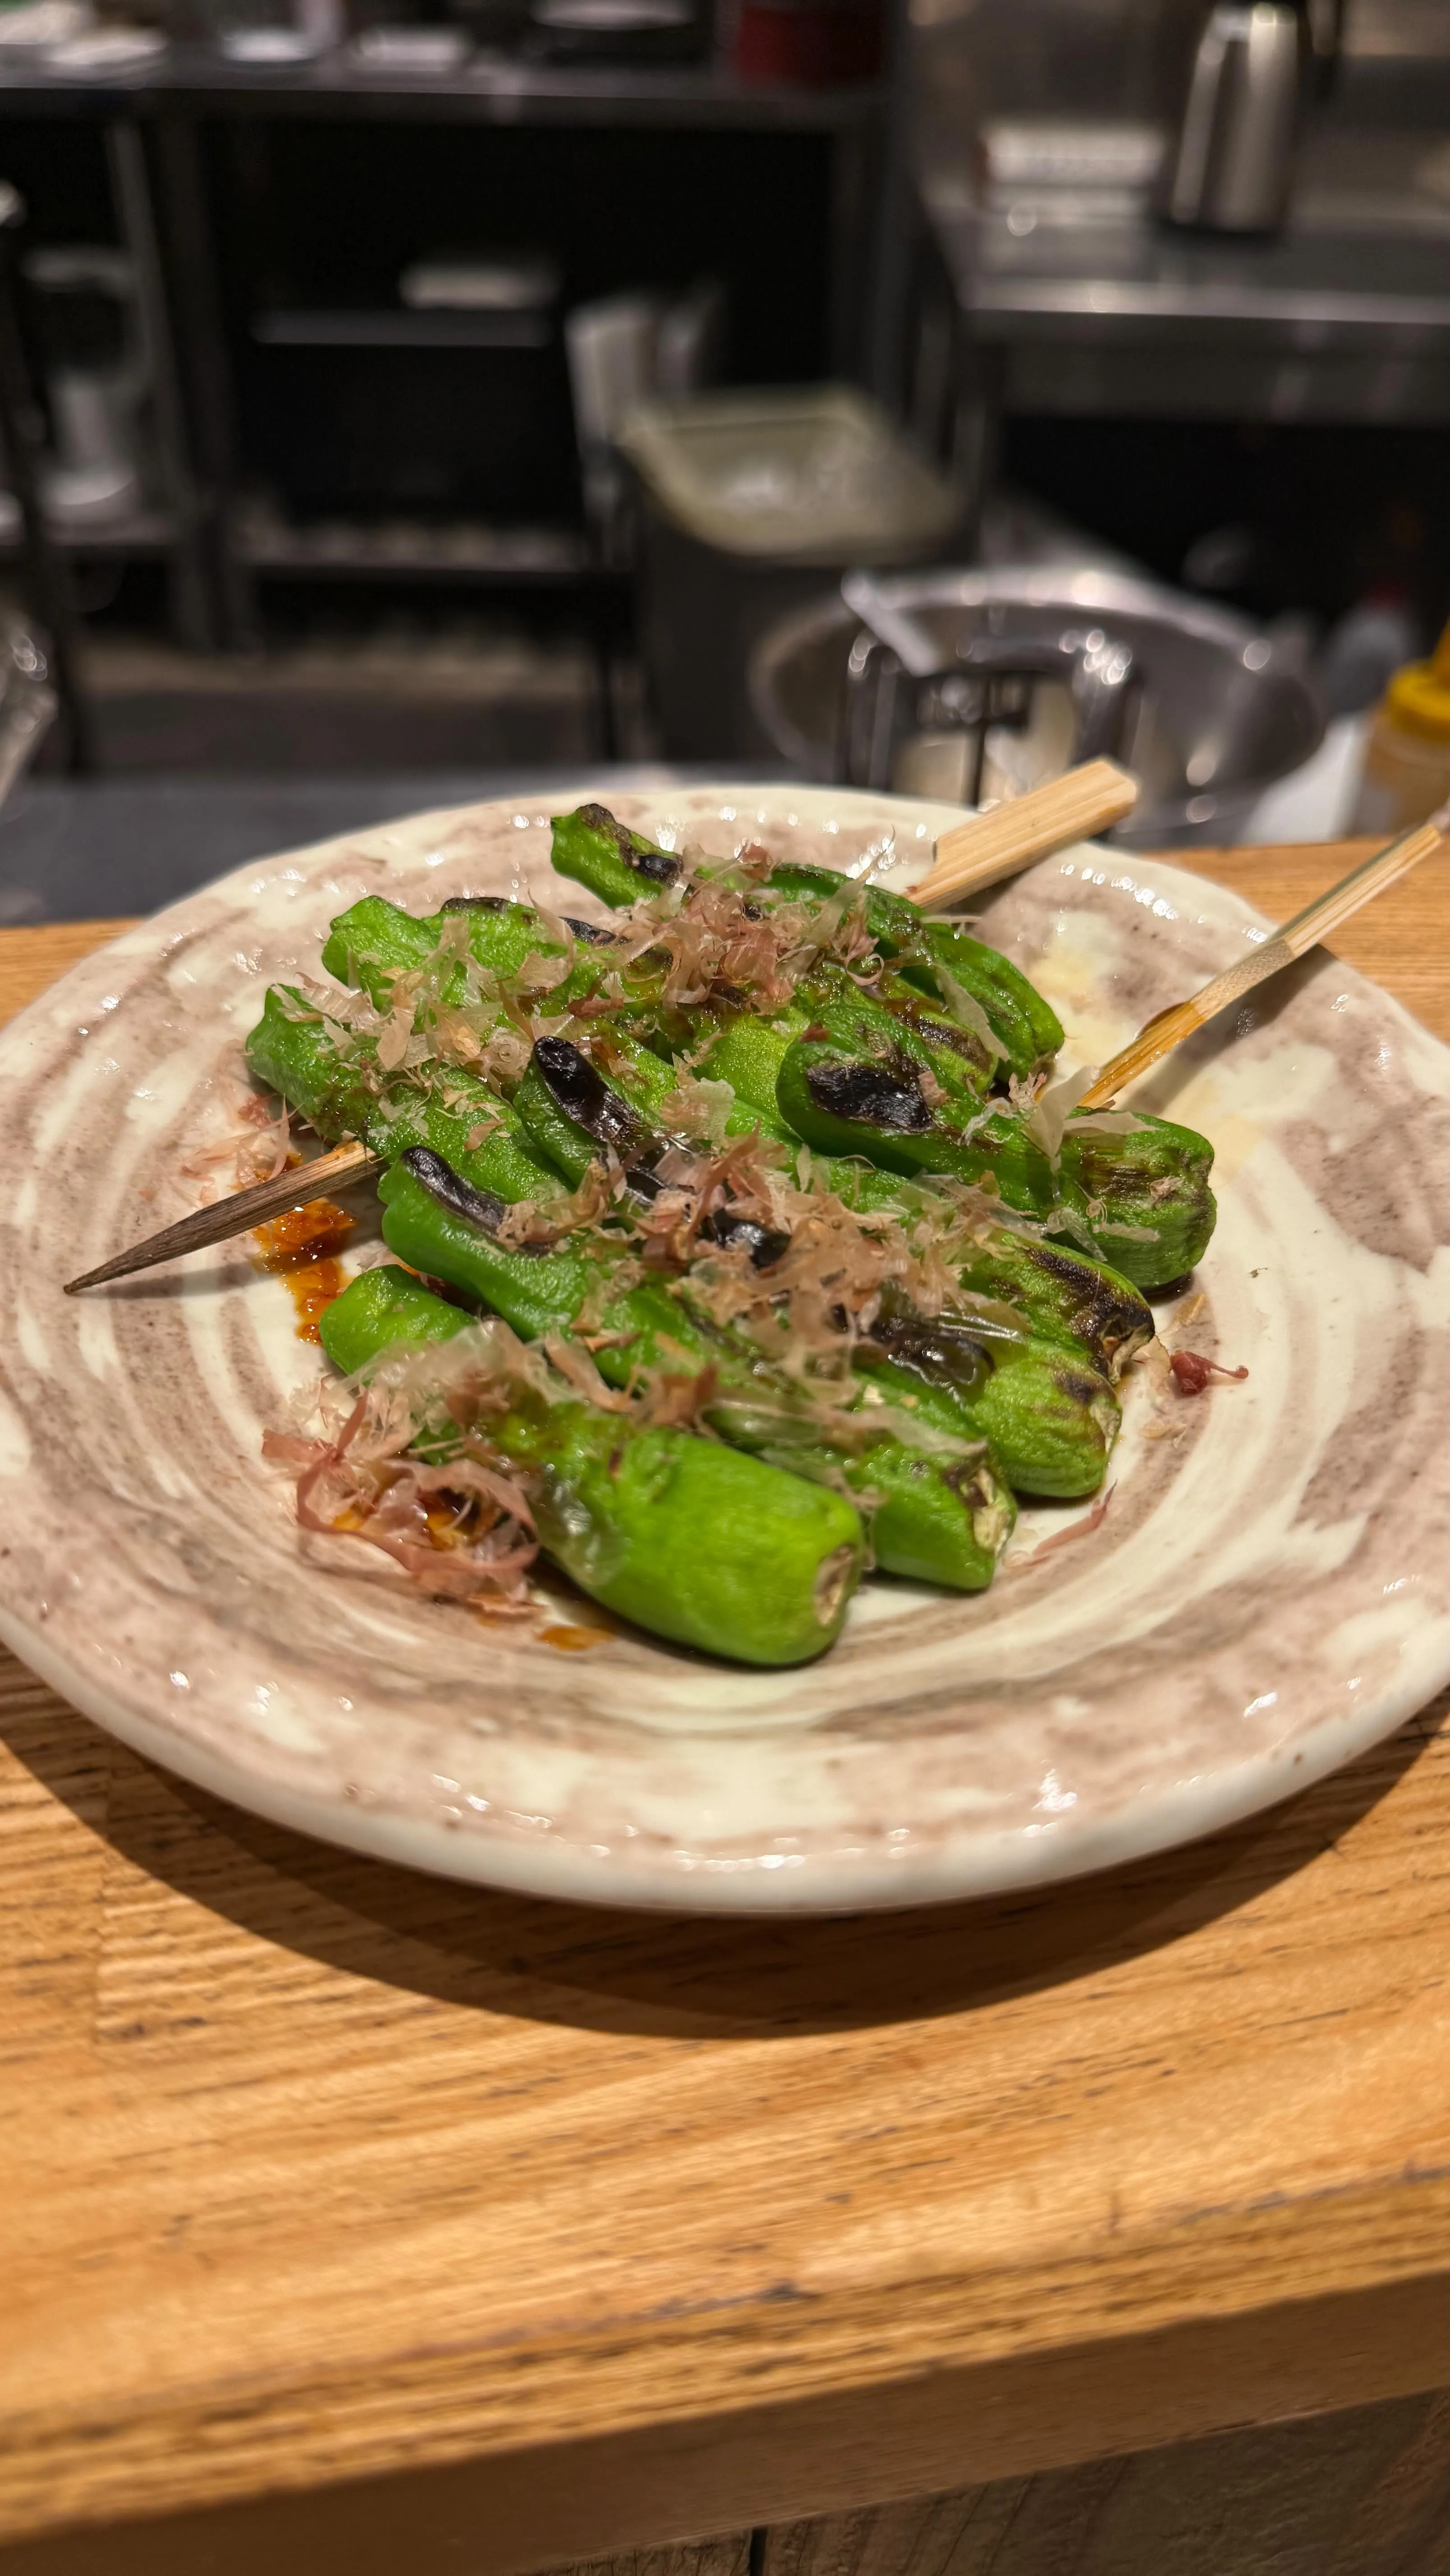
point(539, 2507)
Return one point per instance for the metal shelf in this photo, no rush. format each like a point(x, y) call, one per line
point(193, 80)
point(404, 549)
point(143, 534)
point(403, 329)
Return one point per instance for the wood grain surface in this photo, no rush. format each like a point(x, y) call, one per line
point(421, 2226)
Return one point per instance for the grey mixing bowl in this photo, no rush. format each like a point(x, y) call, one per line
point(1215, 714)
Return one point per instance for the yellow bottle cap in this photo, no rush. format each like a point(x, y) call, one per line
point(1418, 697)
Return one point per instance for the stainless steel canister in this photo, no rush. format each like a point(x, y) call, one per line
point(1233, 167)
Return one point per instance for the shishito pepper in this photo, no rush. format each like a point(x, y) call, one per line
point(693, 1541)
point(457, 1115)
point(936, 1511)
point(374, 940)
point(1063, 1295)
point(894, 1022)
point(943, 960)
point(1143, 1198)
point(847, 1104)
point(1049, 1420)
point(612, 861)
point(1145, 1195)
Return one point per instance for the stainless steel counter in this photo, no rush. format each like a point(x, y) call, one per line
point(1345, 316)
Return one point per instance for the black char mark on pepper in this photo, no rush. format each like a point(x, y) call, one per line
point(585, 1097)
point(935, 1350)
point(764, 1243)
point(452, 1191)
point(870, 1095)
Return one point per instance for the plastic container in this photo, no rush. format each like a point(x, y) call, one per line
point(753, 503)
point(1407, 758)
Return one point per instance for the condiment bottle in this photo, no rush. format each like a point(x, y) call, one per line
point(1407, 757)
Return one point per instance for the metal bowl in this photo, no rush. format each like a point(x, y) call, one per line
point(1215, 714)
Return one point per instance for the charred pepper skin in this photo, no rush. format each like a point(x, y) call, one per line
point(847, 1105)
point(698, 1543)
point(894, 1022)
point(574, 1116)
point(1060, 1292)
point(1145, 1196)
point(1049, 1420)
point(1144, 1199)
point(1063, 1295)
point(917, 1515)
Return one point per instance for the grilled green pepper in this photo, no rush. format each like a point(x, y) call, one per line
point(374, 941)
point(941, 1518)
point(892, 1024)
point(1049, 1419)
point(850, 1105)
point(291, 1050)
point(692, 1541)
point(1064, 1296)
point(1142, 1200)
point(942, 959)
point(1145, 1196)
point(612, 861)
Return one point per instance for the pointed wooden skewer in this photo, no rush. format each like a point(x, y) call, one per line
point(236, 1214)
point(1317, 921)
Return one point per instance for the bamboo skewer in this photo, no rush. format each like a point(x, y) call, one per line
point(236, 1214)
point(1007, 838)
point(1317, 921)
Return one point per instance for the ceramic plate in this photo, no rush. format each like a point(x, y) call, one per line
point(1268, 1591)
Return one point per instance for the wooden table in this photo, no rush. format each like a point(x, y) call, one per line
point(354, 2220)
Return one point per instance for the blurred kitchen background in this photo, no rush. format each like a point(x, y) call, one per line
point(404, 400)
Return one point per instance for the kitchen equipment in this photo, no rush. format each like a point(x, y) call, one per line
point(1214, 713)
point(987, 687)
point(751, 503)
point(1233, 166)
point(618, 30)
point(95, 381)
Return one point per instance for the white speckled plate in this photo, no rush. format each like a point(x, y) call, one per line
point(1269, 1591)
